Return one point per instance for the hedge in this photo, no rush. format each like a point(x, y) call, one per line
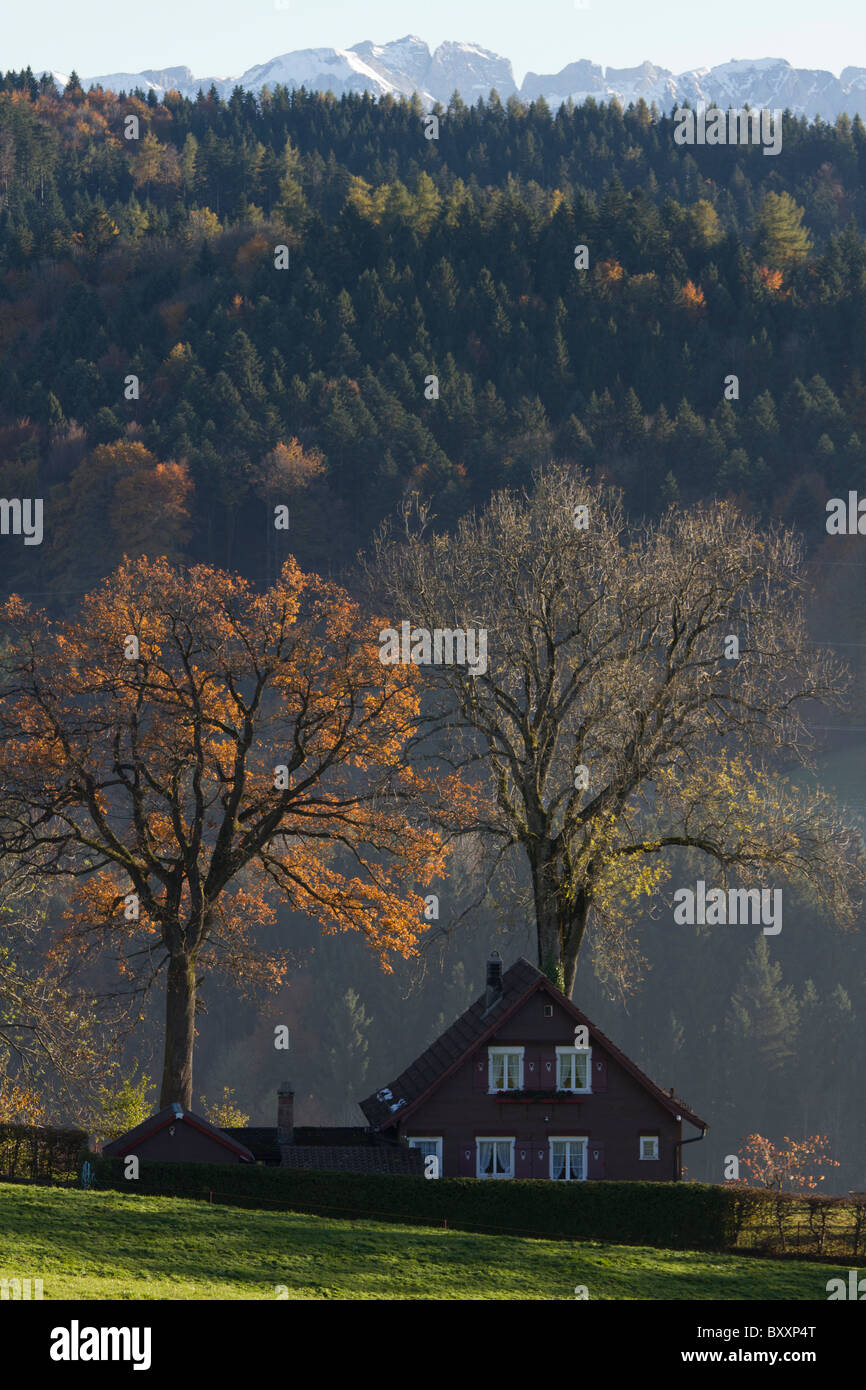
point(38, 1153)
point(688, 1216)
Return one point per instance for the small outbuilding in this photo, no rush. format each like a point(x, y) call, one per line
point(175, 1135)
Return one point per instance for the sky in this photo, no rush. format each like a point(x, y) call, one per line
point(221, 38)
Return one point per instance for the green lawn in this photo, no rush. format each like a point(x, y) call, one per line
point(99, 1245)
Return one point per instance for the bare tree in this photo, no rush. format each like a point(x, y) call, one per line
point(645, 684)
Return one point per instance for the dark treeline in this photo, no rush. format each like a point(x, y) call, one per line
point(409, 259)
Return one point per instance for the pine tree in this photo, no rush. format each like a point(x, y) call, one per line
point(782, 241)
point(767, 1010)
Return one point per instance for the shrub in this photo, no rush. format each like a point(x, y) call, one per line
point(676, 1215)
point(38, 1153)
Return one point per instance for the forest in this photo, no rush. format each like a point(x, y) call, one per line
point(409, 258)
point(210, 309)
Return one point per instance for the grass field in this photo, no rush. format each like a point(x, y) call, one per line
point(106, 1245)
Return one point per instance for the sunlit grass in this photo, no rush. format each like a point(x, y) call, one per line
point(105, 1245)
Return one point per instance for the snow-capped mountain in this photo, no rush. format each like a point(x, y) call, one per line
point(407, 65)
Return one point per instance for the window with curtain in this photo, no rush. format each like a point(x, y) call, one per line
point(568, 1160)
point(573, 1069)
point(505, 1069)
point(495, 1158)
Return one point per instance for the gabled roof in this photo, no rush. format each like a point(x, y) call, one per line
point(392, 1104)
point(172, 1115)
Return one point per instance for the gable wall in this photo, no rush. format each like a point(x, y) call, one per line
point(614, 1118)
point(186, 1145)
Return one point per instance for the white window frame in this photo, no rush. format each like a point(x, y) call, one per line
point(648, 1158)
point(572, 1052)
point(570, 1139)
point(493, 1139)
point(414, 1140)
point(508, 1052)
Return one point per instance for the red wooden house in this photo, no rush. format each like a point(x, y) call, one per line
point(524, 1086)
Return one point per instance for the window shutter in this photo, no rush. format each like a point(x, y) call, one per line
point(540, 1159)
point(595, 1169)
point(523, 1159)
point(599, 1070)
point(531, 1070)
point(467, 1158)
point(547, 1081)
point(479, 1071)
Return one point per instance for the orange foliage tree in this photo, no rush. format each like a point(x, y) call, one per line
point(790, 1165)
point(693, 297)
point(189, 750)
point(20, 1105)
point(120, 500)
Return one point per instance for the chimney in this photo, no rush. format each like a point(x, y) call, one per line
point(494, 981)
point(286, 1114)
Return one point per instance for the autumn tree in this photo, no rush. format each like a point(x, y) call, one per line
point(782, 240)
point(120, 500)
point(790, 1166)
point(643, 682)
point(187, 751)
point(289, 480)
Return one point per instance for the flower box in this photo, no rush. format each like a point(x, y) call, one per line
point(538, 1098)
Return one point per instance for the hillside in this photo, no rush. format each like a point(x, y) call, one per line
point(92, 1245)
point(142, 311)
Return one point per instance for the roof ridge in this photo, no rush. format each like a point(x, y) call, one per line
point(467, 1033)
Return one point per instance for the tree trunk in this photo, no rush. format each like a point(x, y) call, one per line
point(546, 917)
point(560, 925)
point(179, 1033)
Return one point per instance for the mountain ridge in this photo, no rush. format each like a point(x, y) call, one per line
point(406, 66)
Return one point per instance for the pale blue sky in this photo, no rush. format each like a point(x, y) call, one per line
point(223, 37)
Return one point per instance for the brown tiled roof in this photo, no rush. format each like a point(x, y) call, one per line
point(450, 1048)
point(261, 1140)
point(335, 1134)
point(174, 1114)
point(388, 1106)
point(353, 1158)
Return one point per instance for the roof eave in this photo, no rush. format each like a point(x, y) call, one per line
point(542, 982)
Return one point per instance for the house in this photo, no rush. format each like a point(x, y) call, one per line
point(177, 1135)
point(523, 1085)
